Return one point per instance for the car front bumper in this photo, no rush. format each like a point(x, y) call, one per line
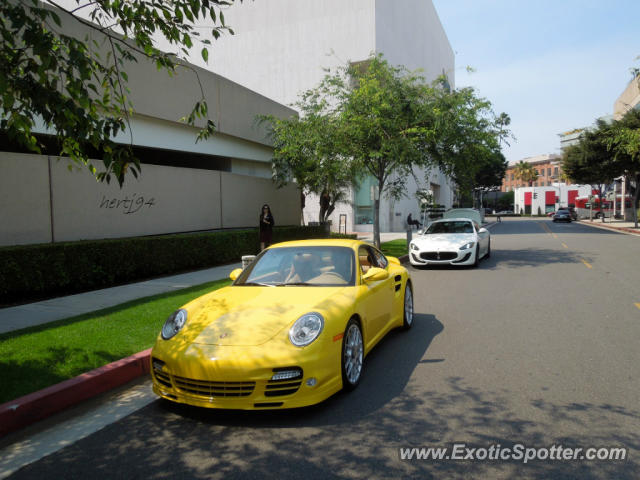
point(239, 377)
point(461, 257)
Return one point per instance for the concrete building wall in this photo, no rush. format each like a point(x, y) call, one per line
point(162, 200)
point(243, 197)
point(284, 47)
point(628, 99)
point(25, 208)
point(281, 47)
point(409, 33)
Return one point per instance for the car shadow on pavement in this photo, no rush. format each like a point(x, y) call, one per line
point(387, 370)
point(345, 438)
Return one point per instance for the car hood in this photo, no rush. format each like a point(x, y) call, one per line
point(444, 241)
point(246, 316)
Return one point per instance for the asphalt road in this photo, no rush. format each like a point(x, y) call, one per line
point(538, 346)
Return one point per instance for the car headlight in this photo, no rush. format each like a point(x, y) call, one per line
point(467, 246)
point(174, 324)
point(306, 329)
point(414, 246)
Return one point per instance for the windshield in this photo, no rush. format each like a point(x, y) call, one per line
point(460, 226)
point(306, 266)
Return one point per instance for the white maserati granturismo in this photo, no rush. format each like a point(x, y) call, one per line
point(451, 241)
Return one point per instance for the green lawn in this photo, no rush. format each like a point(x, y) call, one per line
point(394, 248)
point(34, 358)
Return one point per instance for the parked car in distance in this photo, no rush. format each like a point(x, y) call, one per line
point(562, 215)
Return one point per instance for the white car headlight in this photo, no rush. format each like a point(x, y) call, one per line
point(414, 246)
point(174, 324)
point(467, 246)
point(306, 329)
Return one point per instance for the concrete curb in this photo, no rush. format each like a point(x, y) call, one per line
point(35, 406)
point(628, 231)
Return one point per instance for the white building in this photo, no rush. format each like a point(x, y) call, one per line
point(283, 47)
point(542, 200)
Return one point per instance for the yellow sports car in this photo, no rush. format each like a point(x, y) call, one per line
point(292, 330)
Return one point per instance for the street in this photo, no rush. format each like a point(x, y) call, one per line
point(538, 346)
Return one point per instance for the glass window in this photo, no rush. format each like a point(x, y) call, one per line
point(549, 172)
point(308, 266)
point(555, 170)
point(459, 226)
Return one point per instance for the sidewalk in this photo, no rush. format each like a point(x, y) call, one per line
point(619, 225)
point(30, 314)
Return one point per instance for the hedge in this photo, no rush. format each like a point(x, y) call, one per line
point(47, 270)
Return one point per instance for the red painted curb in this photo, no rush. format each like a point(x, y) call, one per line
point(35, 406)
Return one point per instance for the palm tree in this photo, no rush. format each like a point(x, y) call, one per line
point(525, 172)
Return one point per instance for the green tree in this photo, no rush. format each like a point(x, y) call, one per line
point(625, 142)
point(525, 172)
point(308, 149)
point(468, 140)
point(77, 87)
point(591, 161)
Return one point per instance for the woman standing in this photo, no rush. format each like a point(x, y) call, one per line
point(266, 227)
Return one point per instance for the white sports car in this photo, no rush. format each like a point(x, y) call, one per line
point(451, 241)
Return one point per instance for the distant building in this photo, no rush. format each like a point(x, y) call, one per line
point(628, 100)
point(548, 167)
point(282, 48)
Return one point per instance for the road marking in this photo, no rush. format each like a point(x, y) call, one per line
point(638, 305)
point(554, 235)
point(588, 265)
point(564, 245)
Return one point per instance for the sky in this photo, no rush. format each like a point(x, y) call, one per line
point(552, 65)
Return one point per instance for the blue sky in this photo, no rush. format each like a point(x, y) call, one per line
point(551, 65)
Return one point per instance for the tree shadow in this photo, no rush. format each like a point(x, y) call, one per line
point(358, 435)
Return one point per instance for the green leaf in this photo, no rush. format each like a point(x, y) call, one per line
point(205, 55)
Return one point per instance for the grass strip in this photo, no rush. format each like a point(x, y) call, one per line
point(394, 248)
point(37, 357)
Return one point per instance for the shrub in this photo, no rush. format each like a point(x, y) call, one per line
point(46, 270)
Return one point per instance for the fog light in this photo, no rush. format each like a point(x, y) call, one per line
point(157, 364)
point(311, 382)
point(286, 375)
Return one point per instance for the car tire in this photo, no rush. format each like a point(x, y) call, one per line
point(352, 356)
point(407, 312)
point(488, 254)
point(476, 262)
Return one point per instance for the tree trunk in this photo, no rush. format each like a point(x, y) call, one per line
point(376, 221)
point(636, 198)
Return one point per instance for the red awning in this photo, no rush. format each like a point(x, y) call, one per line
point(550, 197)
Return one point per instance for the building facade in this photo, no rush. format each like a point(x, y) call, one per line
point(184, 185)
point(549, 198)
point(548, 167)
point(282, 48)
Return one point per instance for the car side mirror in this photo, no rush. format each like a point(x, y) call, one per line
point(375, 274)
point(235, 274)
point(483, 230)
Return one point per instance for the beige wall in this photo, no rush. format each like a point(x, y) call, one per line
point(25, 213)
point(163, 200)
point(242, 198)
point(627, 99)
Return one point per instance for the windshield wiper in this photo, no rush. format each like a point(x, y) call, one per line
point(295, 283)
point(258, 284)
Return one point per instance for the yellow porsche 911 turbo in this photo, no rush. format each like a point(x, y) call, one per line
point(292, 329)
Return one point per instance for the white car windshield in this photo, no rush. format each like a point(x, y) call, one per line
point(458, 226)
point(301, 266)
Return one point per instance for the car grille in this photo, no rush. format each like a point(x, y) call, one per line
point(438, 255)
point(276, 388)
point(163, 378)
point(214, 389)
